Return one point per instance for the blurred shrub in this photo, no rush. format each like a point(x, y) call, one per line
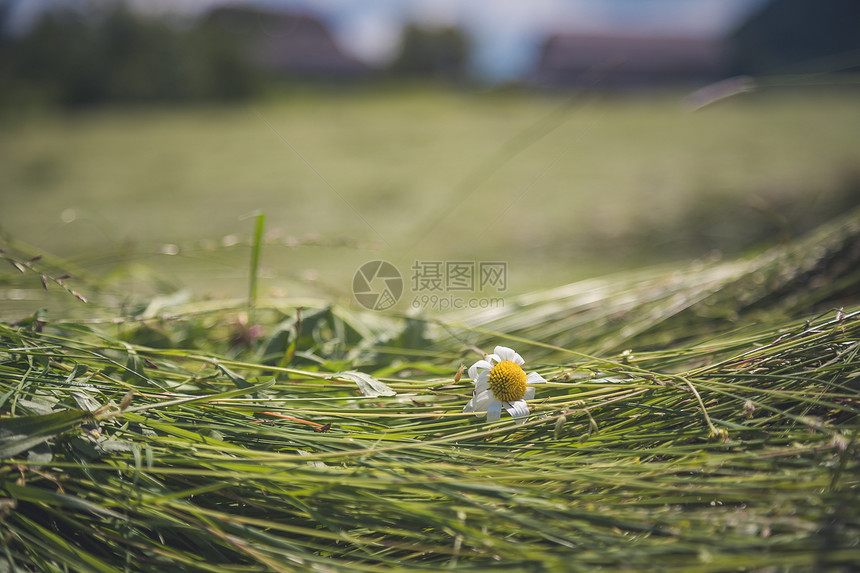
point(114, 55)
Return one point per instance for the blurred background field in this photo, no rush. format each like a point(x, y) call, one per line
point(432, 174)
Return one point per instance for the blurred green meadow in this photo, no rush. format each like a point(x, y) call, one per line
point(560, 186)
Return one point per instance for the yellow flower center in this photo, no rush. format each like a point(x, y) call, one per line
point(508, 381)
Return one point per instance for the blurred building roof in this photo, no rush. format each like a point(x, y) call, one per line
point(629, 61)
point(286, 43)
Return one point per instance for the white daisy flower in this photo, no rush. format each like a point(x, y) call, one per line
point(501, 382)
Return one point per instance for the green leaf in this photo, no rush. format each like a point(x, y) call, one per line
point(39, 495)
point(367, 384)
point(19, 434)
point(234, 378)
point(46, 423)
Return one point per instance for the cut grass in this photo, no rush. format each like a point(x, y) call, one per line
point(726, 439)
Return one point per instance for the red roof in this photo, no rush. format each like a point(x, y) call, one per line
point(613, 59)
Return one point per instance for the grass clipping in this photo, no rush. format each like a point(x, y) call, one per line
point(719, 440)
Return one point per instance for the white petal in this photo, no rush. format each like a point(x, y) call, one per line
point(470, 405)
point(494, 410)
point(473, 369)
point(482, 384)
point(518, 410)
point(478, 403)
point(504, 353)
point(493, 358)
point(530, 393)
point(534, 378)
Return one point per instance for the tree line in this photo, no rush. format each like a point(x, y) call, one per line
point(114, 55)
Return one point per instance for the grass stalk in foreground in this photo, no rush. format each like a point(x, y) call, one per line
point(253, 275)
point(705, 448)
